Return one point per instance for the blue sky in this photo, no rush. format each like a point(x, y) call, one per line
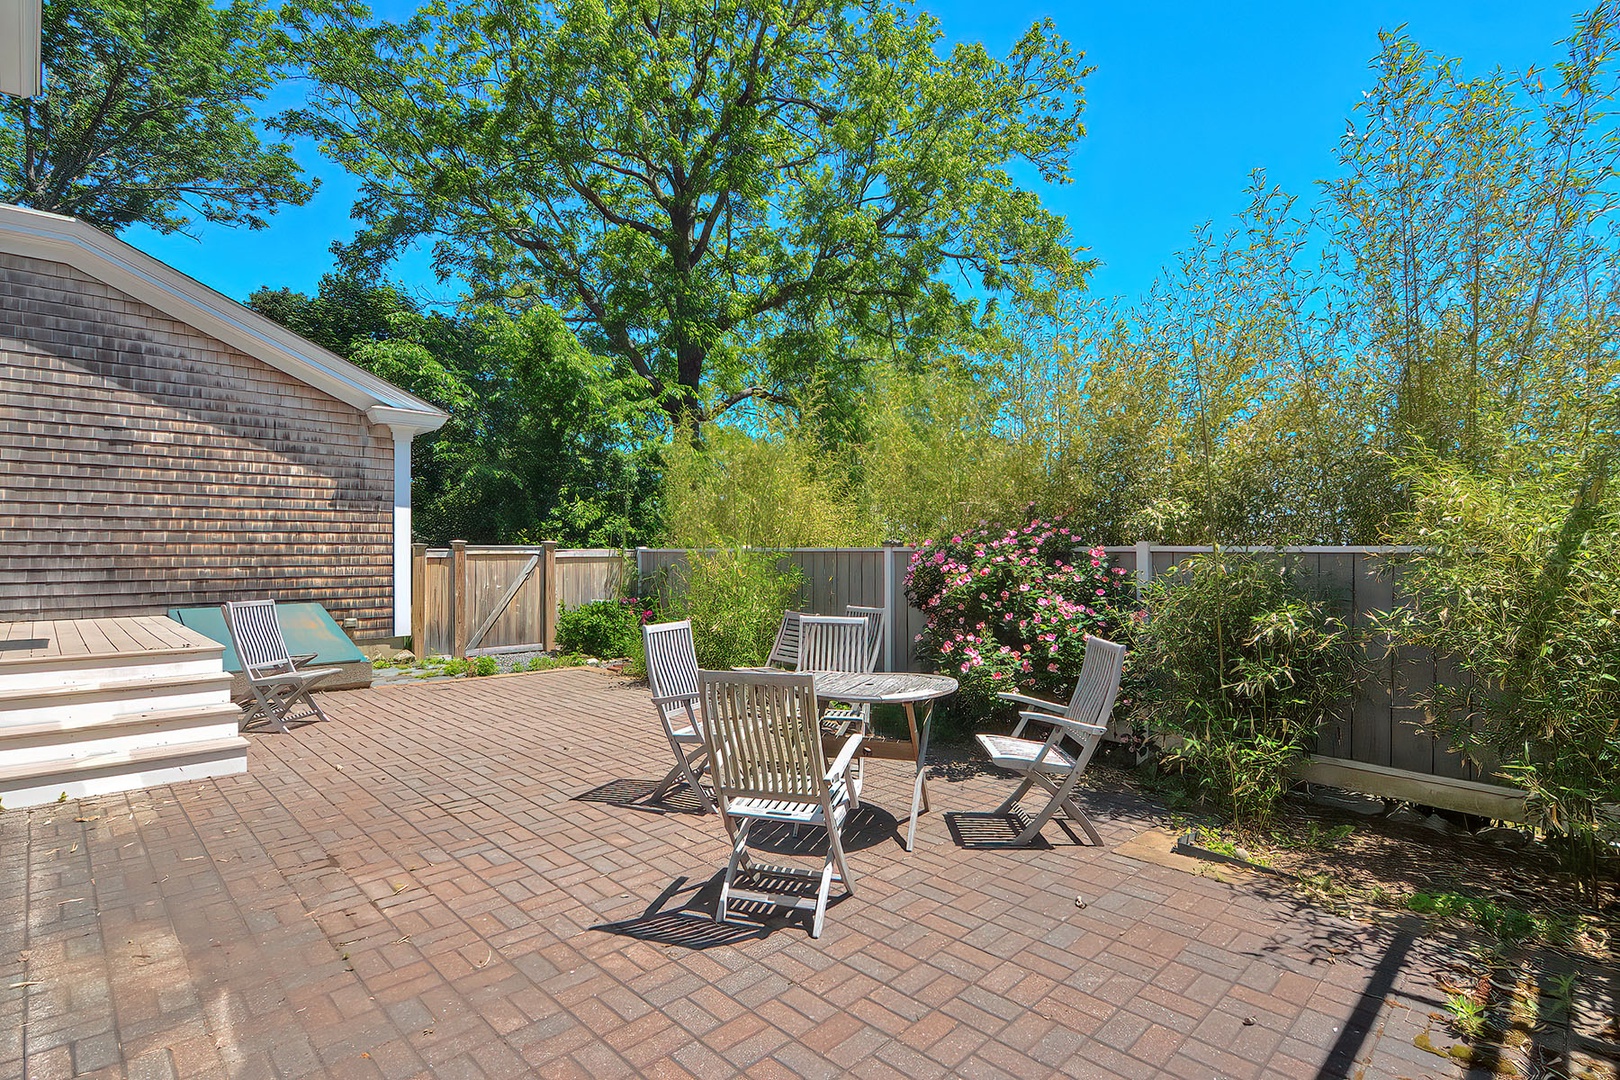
point(1187, 98)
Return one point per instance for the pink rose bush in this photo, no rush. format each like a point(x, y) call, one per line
point(1009, 608)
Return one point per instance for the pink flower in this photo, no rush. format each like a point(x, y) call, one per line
point(1051, 667)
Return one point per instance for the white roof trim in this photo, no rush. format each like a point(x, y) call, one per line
point(39, 235)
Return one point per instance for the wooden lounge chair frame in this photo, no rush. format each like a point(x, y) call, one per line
point(276, 679)
point(672, 672)
point(768, 765)
point(1047, 763)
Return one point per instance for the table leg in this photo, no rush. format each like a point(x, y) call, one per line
point(919, 786)
point(916, 747)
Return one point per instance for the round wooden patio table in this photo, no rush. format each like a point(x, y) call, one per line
point(906, 689)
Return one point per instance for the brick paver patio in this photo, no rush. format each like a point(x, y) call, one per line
point(448, 881)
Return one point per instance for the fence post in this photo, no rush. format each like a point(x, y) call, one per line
point(549, 588)
point(460, 600)
point(888, 608)
point(1144, 565)
point(418, 599)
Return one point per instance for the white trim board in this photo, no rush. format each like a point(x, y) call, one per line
point(20, 48)
point(54, 238)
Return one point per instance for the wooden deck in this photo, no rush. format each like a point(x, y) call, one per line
point(30, 642)
point(95, 706)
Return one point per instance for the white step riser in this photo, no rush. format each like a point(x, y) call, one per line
point(90, 743)
point(94, 706)
point(182, 767)
point(52, 674)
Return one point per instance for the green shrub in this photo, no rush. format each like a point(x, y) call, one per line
point(552, 663)
point(601, 628)
point(483, 665)
point(1010, 608)
point(735, 600)
point(1233, 669)
point(1519, 581)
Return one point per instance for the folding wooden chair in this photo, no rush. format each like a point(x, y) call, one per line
point(672, 672)
point(874, 629)
point(837, 643)
point(785, 649)
point(1047, 763)
point(768, 765)
point(275, 679)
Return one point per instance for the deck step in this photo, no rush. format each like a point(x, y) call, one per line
point(112, 686)
point(156, 719)
point(37, 783)
point(22, 673)
point(104, 705)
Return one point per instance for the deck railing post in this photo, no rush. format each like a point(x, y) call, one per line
point(460, 600)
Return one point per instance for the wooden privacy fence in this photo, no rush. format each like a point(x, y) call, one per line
point(469, 599)
point(1378, 728)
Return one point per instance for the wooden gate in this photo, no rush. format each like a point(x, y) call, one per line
point(469, 599)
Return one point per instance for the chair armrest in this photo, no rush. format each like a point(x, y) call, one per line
point(674, 699)
point(273, 668)
point(1040, 703)
point(1075, 727)
point(300, 659)
point(1025, 717)
point(845, 756)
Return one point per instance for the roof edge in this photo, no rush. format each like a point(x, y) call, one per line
point(37, 234)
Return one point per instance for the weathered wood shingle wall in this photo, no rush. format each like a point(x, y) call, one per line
point(144, 465)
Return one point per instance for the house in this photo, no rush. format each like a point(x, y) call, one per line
point(163, 446)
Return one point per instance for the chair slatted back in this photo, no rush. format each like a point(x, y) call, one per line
point(785, 649)
point(672, 667)
point(763, 735)
point(874, 629)
point(1086, 719)
point(256, 635)
point(1093, 699)
point(833, 643)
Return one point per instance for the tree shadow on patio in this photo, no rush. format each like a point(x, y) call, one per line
point(631, 793)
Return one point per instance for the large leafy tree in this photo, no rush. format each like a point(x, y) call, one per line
point(734, 198)
point(544, 441)
point(147, 117)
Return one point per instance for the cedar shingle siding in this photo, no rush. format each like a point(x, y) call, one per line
point(144, 464)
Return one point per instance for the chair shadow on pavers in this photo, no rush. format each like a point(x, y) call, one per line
point(866, 827)
point(632, 793)
point(691, 924)
point(991, 830)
